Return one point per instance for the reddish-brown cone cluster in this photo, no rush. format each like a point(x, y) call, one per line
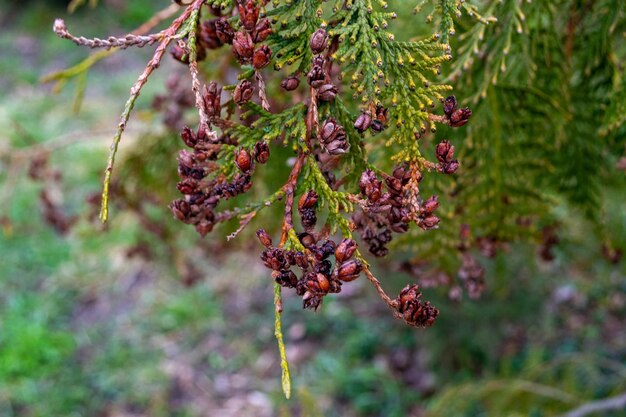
point(252, 32)
point(290, 83)
point(212, 100)
point(306, 208)
point(445, 154)
point(319, 276)
point(333, 137)
point(202, 193)
point(377, 122)
point(318, 76)
point(413, 310)
point(215, 33)
point(243, 92)
point(387, 208)
point(456, 117)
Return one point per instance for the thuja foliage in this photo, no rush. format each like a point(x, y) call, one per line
point(368, 116)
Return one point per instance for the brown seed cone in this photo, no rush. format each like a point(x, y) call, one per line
point(382, 114)
point(243, 92)
point(189, 137)
point(248, 14)
point(318, 283)
point(363, 122)
point(181, 210)
point(262, 30)
point(333, 137)
point(449, 105)
point(349, 270)
point(413, 310)
point(308, 218)
point(212, 98)
point(285, 278)
point(460, 117)
point(224, 31)
point(243, 47)
point(345, 250)
point(308, 200)
point(370, 186)
point(204, 228)
point(444, 151)
point(327, 248)
point(327, 92)
point(318, 41)
point(261, 152)
point(243, 160)
point(261, 57)
point(264, 238)
point(311, 301)
point(431, 204)
point(449, 167)
point(188, 186)
point(208, 36)
point(290, 83)
point(275, 259)
point(404, 173)
point(317, 74)
point(301, 260)
point(429, 222)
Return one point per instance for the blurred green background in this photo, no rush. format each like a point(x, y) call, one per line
point(107, 322)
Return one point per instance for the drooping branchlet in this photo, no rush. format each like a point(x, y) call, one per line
point(386, 204)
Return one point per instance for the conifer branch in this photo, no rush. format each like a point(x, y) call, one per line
point(167, 37)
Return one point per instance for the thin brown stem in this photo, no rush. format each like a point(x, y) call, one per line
point(439, 119)
point(127, 41)
point(289, 189)
point(393, 304)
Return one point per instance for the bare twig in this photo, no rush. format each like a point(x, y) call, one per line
point(289, 189)
point(245, 220)
point(60, 28)
point(439, 119)
point(608, 404)
point(248, 213)
point(195, 77)
point(95, 57)
point(393, 304)
point(168, 36)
